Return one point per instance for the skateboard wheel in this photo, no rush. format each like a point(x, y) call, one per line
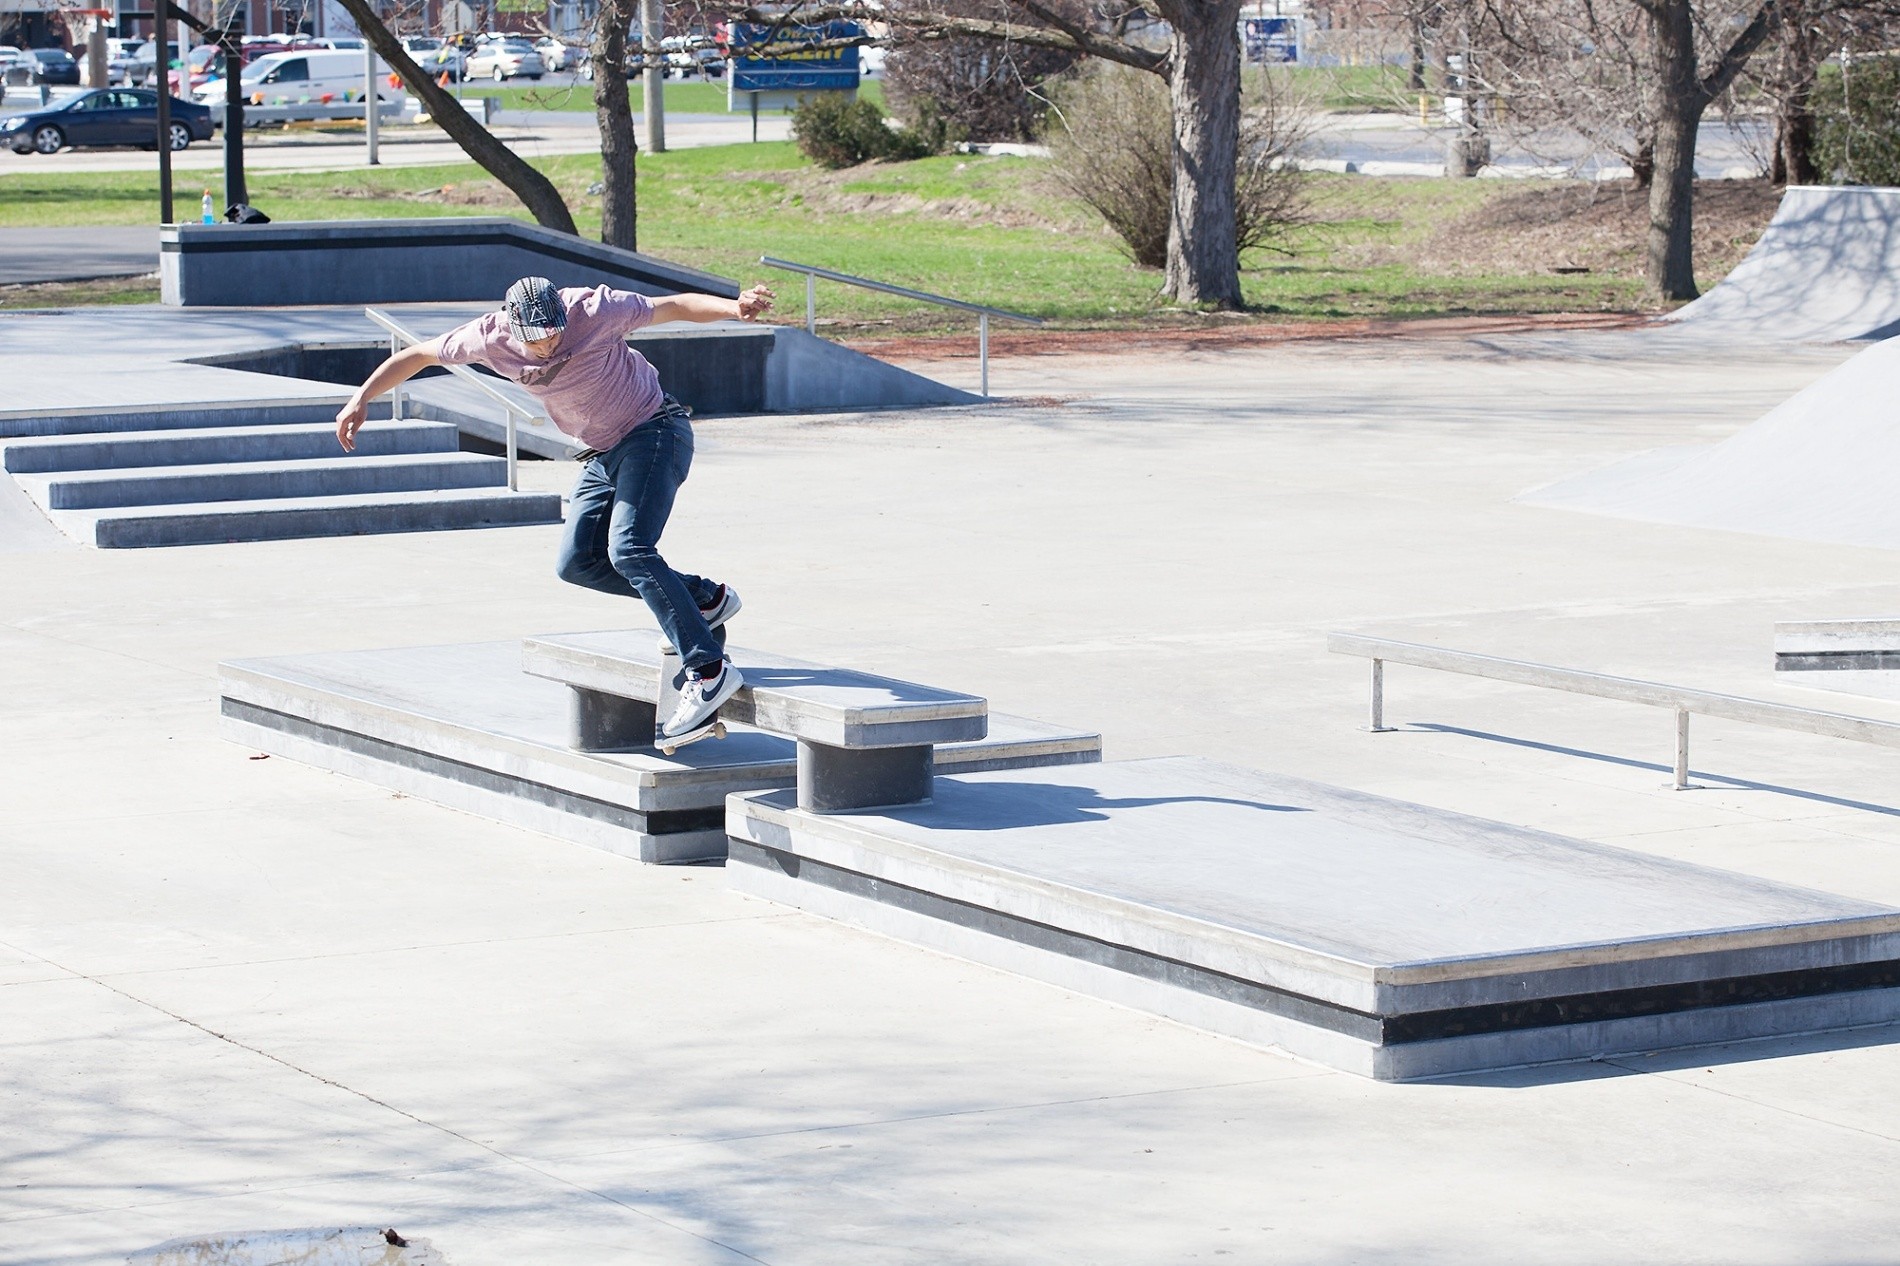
point(719, 729)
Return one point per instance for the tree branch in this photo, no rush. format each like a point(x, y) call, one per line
point(537, 192)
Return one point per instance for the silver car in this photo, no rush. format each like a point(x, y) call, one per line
point(437, 56)
point(506, 59)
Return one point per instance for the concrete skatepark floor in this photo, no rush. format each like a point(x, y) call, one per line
point(240, 994)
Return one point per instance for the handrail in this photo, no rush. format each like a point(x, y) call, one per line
point(983, 314)
point(401, 336)
point(1683, 699)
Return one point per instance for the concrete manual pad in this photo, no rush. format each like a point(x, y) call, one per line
point(1368, 934)
point(793, 697)
point(464, 726)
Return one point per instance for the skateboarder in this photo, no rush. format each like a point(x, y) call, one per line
point(568, 347)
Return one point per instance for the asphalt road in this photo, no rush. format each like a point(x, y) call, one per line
point(28, 256)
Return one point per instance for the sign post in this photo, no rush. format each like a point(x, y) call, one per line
point(162, 65)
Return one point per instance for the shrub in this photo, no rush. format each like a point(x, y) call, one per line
point(1111, 139)
point(1857, 139)
point(834, 131)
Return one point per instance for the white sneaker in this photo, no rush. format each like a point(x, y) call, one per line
point(715, 615)
point(699, 703)
point(723, 610)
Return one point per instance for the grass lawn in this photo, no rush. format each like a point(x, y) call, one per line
point(986, 230)
point(683, 96)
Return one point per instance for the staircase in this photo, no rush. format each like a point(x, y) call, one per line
point(202, 475)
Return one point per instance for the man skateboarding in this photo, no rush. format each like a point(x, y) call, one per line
point(568, 348)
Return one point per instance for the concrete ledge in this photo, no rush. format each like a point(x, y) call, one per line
point(1372, 935)
point(1837, 645)
point(464, 726)
point(448, 259)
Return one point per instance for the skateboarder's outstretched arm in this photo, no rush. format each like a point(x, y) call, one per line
point(749, 306)
point(398, 369)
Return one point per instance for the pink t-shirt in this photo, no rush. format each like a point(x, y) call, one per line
point(595, 387)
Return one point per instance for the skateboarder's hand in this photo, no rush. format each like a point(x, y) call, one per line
point(755, 303)
point(349, 420)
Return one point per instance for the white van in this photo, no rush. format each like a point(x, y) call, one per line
point(305, 75)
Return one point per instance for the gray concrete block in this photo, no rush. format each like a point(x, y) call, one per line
point(119, 450)
point(442, 720)
point(838, 780)
point(285, 518)
point(809, 374)
point(397, 261)
point(1837, 645)
point(163, 416)
point(251, 481)
point(1376, 936)
point(791, 697)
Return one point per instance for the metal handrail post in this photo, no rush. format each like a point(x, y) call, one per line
point(511, 452)
point(1682, 749)
point(395, 393)
point(811, 303)
point(983, 349)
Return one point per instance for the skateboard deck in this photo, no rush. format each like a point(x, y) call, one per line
point(713, 728)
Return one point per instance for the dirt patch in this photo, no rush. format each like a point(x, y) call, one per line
point(474, 193)
point(1215, 332)
point(1589, 227)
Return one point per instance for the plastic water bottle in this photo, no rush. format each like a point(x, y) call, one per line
point(209, 212)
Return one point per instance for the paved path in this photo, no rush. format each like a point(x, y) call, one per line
point(243, 995)
point(542, 135)
point(73, 254)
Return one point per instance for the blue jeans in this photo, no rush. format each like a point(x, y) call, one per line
point(619, 508)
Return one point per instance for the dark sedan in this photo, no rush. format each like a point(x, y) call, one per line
point(105, 116)
point(46, 66)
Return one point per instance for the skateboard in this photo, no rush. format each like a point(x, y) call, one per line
point(712, 728)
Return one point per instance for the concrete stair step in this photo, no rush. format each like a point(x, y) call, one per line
point(145, 449)
point(251, 481)
point(262, 412)
point(284, 518)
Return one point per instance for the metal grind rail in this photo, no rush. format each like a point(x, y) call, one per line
point(1684, 701)
point(401, 336)
point(983, 314)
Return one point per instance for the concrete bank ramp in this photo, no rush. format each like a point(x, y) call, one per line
point(1826, 270)
point(1819, 467)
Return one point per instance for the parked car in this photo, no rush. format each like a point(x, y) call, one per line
point(555, 55)
point(44, 66)
point(437, 56)
point(689, 55)
point(303, 75)
point(505, 59)
point(104, 116)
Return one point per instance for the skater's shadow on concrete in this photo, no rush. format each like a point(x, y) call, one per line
point(767, 677)
point(974, 806)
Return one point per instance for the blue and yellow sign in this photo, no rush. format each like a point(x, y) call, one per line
point(794, 61)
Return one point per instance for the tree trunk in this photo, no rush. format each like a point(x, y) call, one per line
point(1643, 164)
point(1794, 114)
point(619, 213)
point(1672, 193)
point(1204, 90)
point(537, 192)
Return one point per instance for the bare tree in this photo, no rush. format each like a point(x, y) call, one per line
point(1644, 71)
point(619, 209)
point(1200, 63)
point(537, 192)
